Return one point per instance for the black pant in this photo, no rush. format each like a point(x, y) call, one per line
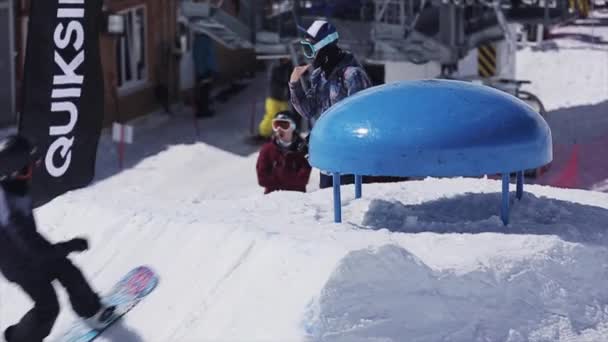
point(203, 102)
point(38, 322)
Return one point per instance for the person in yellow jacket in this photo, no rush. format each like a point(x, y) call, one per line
point(278, 98)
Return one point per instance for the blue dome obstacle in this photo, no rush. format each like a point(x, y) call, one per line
point(424, 128)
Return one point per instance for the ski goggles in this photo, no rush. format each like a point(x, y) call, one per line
point(310, 50)
point(281, 124)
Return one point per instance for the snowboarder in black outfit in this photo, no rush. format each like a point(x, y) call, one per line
point(31, 261)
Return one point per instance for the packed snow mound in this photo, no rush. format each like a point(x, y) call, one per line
point(478, 213)
point(425, 260)
point(542, 278)
point(389, 294)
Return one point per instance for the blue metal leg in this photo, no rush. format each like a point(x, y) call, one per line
point(358, 182)
point(337, 199)
point(520, 184)
point(504, 214)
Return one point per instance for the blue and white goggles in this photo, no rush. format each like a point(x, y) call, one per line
point(310, 50)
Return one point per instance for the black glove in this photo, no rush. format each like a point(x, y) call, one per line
point(74, 245)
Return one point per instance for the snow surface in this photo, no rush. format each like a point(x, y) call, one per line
point(424, 260)
point(570, 75)
point(418, 261)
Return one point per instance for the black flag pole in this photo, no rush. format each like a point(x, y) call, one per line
point(63, 93)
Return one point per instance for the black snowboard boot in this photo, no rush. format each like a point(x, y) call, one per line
point(8, 333)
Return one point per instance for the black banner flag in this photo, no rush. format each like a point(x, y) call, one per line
point(63, 93)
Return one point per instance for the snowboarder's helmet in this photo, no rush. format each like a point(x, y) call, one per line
point(16, 154)
point(320, 34)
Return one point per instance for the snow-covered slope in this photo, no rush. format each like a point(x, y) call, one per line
point(417, 261)
point(570, 75)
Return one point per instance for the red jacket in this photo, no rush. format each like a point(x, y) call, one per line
point(282, 168)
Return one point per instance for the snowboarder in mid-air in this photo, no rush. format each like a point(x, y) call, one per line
point(32, 262)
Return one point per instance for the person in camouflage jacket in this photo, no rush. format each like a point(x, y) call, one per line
point(335, 75)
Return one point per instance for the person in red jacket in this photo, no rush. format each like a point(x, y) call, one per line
point(282, 163)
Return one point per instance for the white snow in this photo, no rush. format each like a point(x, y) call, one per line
point(277, 268)
point(424, 260)
point(570, 75)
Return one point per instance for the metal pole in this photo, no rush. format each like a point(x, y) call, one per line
point(337, 199)
point(253, 21)
point(12, 56)
point(121, 147)
point(295, 11)
point(546, 17)
point(520, 184)
point(358, 182)
point(504, 214)
point(252, 117)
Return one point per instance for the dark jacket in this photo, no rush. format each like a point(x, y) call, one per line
point(280, 168)
point(347, 78)
point(22, 249)
point(279, 79)
point(203, 56)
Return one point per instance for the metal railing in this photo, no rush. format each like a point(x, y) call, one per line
point(208, 16)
